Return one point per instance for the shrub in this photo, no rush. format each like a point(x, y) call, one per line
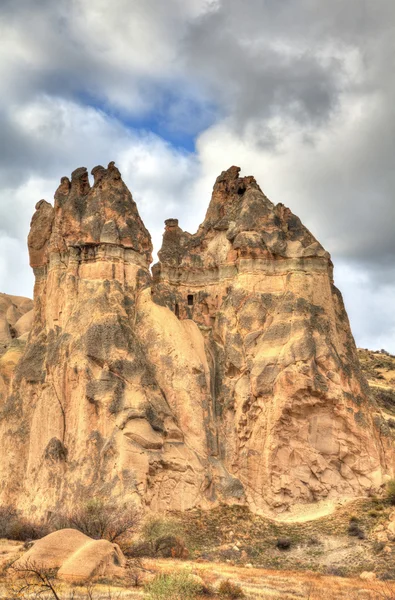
point(283, 543)
point(157, 527)
point(14, 526)
point(139, 549)
point(227, 589)
point(391, 491)
point(355, 530)
point(101, 520)
point(170, 546)
point(373, 513)
point(387, 575)
point(378, 547)
point(8, 515)
point(134, 572)
point(336, 571)
point(165, 537)
point(173, 586)
point(313, 541)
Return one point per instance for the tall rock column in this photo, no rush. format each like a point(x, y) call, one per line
point(87, 414)
point(292, 410)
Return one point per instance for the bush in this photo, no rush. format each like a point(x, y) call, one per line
point(134, 572)
point(391, 491)
point(283, 543)
point(139, 550)
point(227, 589)
point(170, 546)
point(158, 527)
point(387, 575)
point(173, 586)
point(378, 547)
point(313, 541)
point(355, 530)
point(165, 537)
point(101, 520)
point(336, 571)
point(8, 515)
point(14, 526)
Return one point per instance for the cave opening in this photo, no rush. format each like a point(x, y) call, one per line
point(190, 299)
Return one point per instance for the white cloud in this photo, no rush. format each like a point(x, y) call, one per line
point(67, 135)
point(301, 94)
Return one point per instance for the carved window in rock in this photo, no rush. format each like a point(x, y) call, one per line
point(190, 299)
point(177, 310)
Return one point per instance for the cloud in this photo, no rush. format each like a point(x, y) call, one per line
point(299, 93)
point(60, 135)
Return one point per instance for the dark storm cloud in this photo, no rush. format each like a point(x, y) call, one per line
point(258, 78)
point(306, 62)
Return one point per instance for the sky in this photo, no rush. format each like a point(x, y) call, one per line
point(298, 93)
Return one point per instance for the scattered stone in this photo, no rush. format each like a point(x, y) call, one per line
point(368, 575)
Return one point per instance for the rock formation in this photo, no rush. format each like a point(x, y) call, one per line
point(230, 374)
point(16, 316)
point(76, 557)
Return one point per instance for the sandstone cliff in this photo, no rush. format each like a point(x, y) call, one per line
point(230, 375)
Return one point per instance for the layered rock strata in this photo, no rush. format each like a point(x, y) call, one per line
point(229, 375)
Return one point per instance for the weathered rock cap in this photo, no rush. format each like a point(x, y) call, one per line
point(104, 213)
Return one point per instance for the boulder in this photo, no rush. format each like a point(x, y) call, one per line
point(75, 556)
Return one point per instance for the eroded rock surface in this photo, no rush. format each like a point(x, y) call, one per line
point(76, 557)
point(16, 317)
point(292, 410)
point(230, 375)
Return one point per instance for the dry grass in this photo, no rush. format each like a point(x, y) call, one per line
point(256, 583)
point(233, 534)
point(264, 583)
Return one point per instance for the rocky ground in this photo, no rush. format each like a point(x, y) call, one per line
point(355, 538)
point(347, 554)
point(256, 583)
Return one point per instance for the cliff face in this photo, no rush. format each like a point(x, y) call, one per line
point(294, 421)
point(231, 375)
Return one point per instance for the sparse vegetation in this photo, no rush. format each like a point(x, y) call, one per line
point(157, 527)
point(355, 530)
point(227, 589)
point(101, 520)
point(173, 586)
point(14, 526)
point(33, 581)
point(283, 543)
point(340, 545)
point(391, 491)
point(162, 537)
